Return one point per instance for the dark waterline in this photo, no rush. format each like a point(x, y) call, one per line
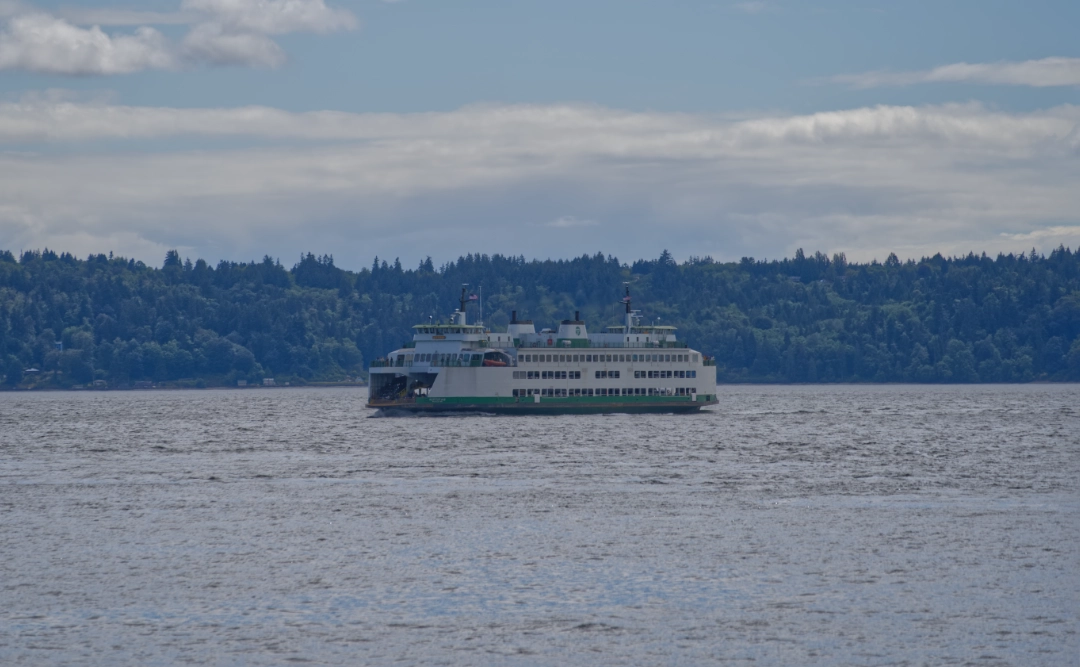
point(790, 525)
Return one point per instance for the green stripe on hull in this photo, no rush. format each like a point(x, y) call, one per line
point(547, 406)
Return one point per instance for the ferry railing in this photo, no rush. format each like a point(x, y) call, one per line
point(655, 345)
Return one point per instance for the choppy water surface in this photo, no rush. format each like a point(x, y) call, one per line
point(789, 525)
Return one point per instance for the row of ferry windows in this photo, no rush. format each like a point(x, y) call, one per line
point(444, 357)
point(624, 391)
point(547, 375)
point(600, 375)
point(603, 358)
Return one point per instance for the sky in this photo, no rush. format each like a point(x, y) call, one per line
point(234, 129)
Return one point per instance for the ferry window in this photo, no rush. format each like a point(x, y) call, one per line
point(613, 374)
point(549, 358)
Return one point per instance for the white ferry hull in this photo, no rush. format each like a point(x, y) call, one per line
point(461, 367)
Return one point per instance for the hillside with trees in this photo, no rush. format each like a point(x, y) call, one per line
point(66, 321)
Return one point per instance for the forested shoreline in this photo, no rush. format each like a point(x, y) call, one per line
point(67, 322)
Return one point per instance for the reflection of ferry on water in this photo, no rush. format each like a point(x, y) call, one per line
point(464, 367)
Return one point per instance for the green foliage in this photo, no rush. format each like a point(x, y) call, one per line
point(807, 319)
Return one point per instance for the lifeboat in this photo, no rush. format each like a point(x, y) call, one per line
point(494, 362)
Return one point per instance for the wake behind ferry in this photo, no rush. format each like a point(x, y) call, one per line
point(461, 367)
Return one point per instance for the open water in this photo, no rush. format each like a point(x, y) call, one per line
point(867, 525)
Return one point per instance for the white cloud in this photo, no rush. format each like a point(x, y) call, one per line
point(1044, 73)
point(224, 32)
point(209, 42)
point(866, 181)
point(569, 221)
point(1045, 233)
point(119, 17)
point(45, 44)
point(274, 17)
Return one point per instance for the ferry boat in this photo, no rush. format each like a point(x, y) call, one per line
point(462, 367)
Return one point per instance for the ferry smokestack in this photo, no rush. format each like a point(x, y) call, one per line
point(513, 317)
point(577, 315)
